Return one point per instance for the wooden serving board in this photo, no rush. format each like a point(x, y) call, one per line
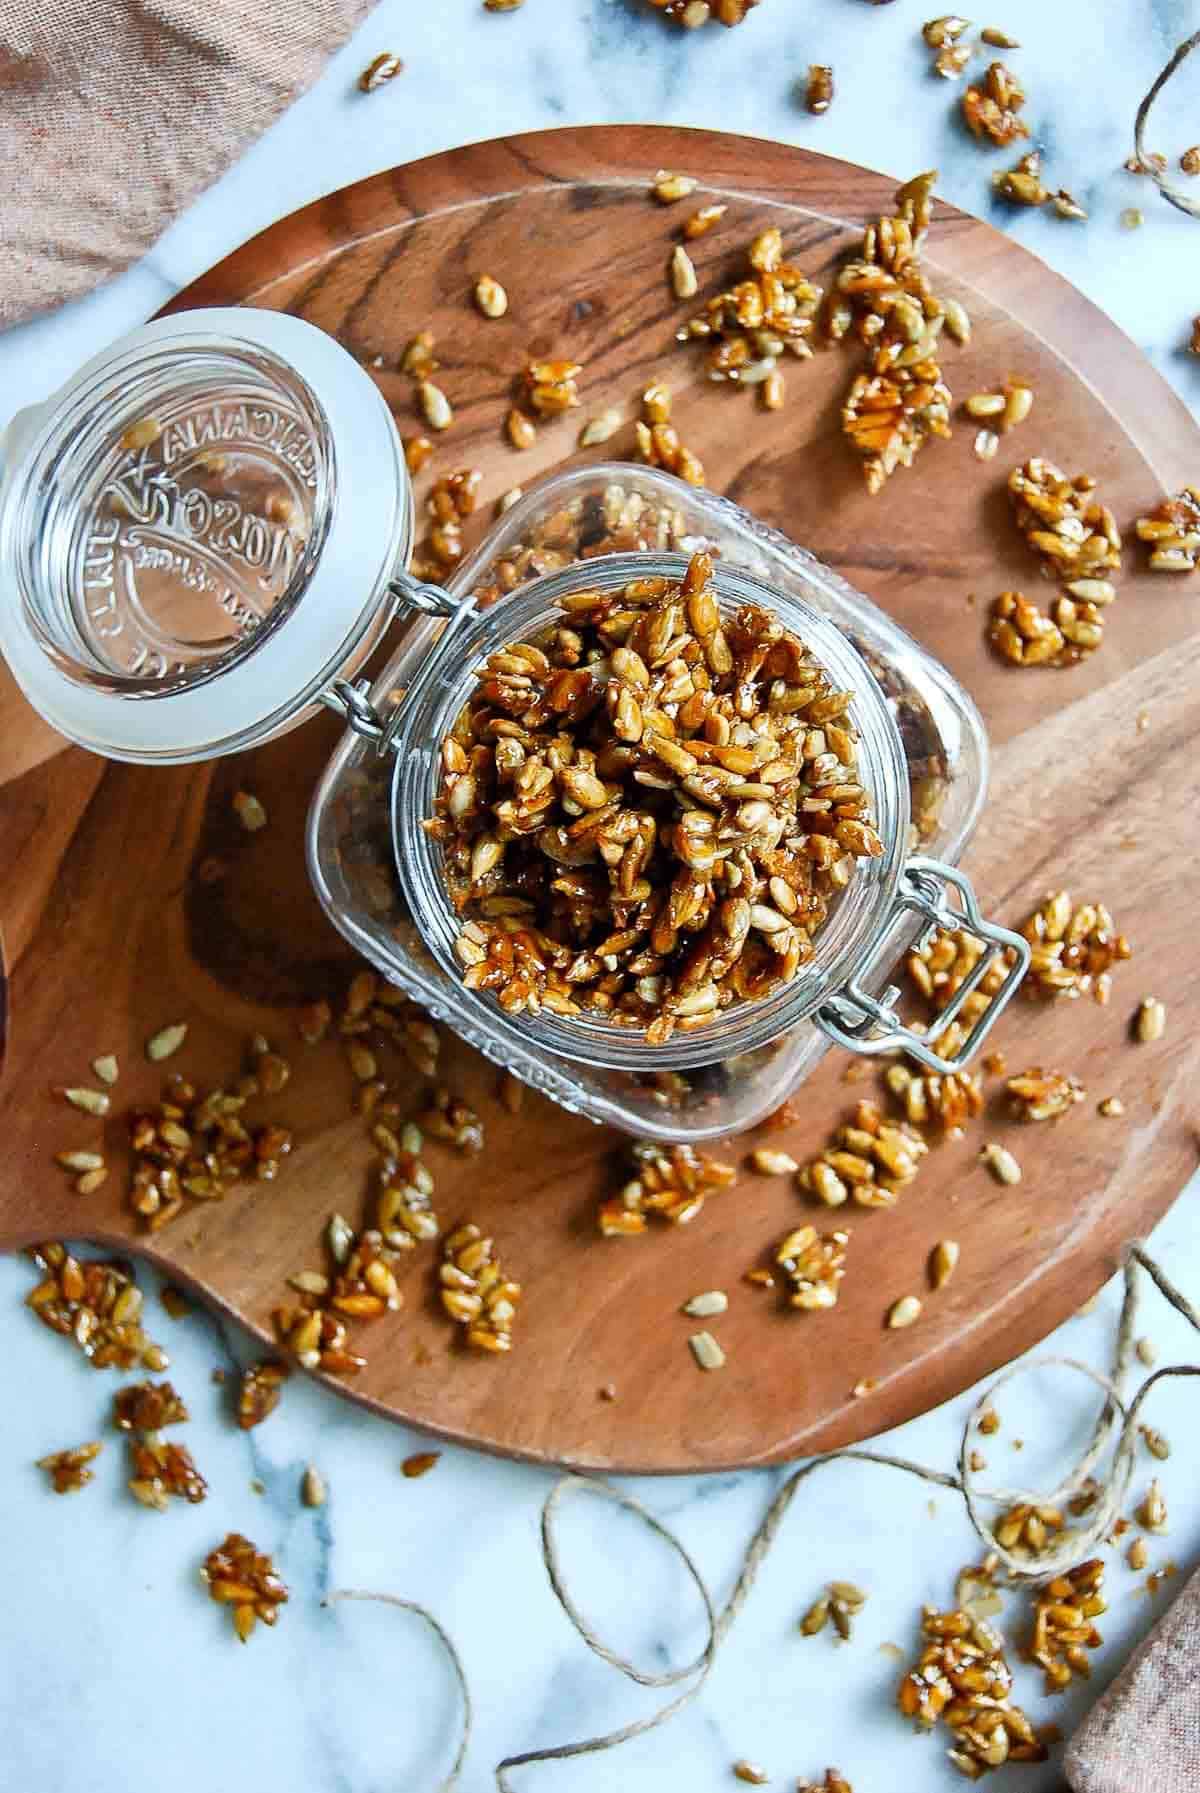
point(110, 932)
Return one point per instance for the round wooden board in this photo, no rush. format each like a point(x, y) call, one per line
point(110, 932)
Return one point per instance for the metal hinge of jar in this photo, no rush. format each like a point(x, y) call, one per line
point(869, 1025)
point(352, 701)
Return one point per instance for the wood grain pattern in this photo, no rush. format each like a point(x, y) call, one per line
point(110, 933)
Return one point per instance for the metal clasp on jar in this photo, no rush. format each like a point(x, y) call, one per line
point(352, 701)
point(869, 1025)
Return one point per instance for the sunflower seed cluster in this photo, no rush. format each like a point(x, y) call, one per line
point(648, 816)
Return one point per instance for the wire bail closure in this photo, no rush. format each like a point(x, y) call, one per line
point(869, 1025)
point(352, 701)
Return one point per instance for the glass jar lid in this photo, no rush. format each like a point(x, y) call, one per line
point(198, 534)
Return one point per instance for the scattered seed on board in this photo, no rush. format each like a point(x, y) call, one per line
point(943, 1260)
point(249, 811)
point(706, 1351)
point(1131, 218)
point(490, 297)
point(986, 444)
point(1137, 1555)
point(669, 187)
point(520, 430)
point(999, 40)
point(903, 1312)
point(770, 1163)
point(751, 1773)
point(106, 1068)
point(80, 1161)
point(1147, 1352)
point(601, 428)
point(1151, 1020)
point(703, 1307)
point(339, 1236)
point(1110, 1107)
point(384, 68)
point(166, 1041)
point(312, 1487)
point(683, 274)
point(507, 499)
point(92, 1101)
point(91, 1180)
point(1000, 1161)
point(1155, 1443)
point(701, 222)
point(435, 406)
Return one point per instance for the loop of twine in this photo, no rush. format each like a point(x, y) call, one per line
point(1175, 196)
point(1115, 1428)
point(447, 1642)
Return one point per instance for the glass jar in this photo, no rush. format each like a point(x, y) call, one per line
point(206, 533)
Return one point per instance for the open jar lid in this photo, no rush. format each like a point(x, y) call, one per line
point(198, 534)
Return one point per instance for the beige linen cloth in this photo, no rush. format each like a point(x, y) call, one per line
point(1144, 1735)
point(114, 114)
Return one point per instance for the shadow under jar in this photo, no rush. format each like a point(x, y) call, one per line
point(206, 532)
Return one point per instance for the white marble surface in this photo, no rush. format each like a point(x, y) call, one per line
point(116, 1673)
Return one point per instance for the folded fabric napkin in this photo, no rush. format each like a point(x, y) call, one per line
point(114, 114)
point(1144, 1735)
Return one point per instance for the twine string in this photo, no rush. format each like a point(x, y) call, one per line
point(1113, 1436)
point(1174, 195)
point(447, 1642)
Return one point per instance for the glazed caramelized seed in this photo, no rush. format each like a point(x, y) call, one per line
point(1151, 1020)
point(435, 406)
point(490, 297)
point(818, 88)
point(419, 1464)
point(683, 275)
point(378, 73)
point(701, 222)
point(249, 811)
point(1000, 1161)
point(943, 1260)
point(751, 1773)
point(770, 1163)
point(946, 30)
point(670, 187)
point(417, 450)
point(521, 431)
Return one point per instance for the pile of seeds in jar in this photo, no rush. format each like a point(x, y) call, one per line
point(648, 817)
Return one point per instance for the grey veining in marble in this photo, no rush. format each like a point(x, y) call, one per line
point(117, 1673)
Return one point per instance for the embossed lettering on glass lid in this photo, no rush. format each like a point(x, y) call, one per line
point(220, 496)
